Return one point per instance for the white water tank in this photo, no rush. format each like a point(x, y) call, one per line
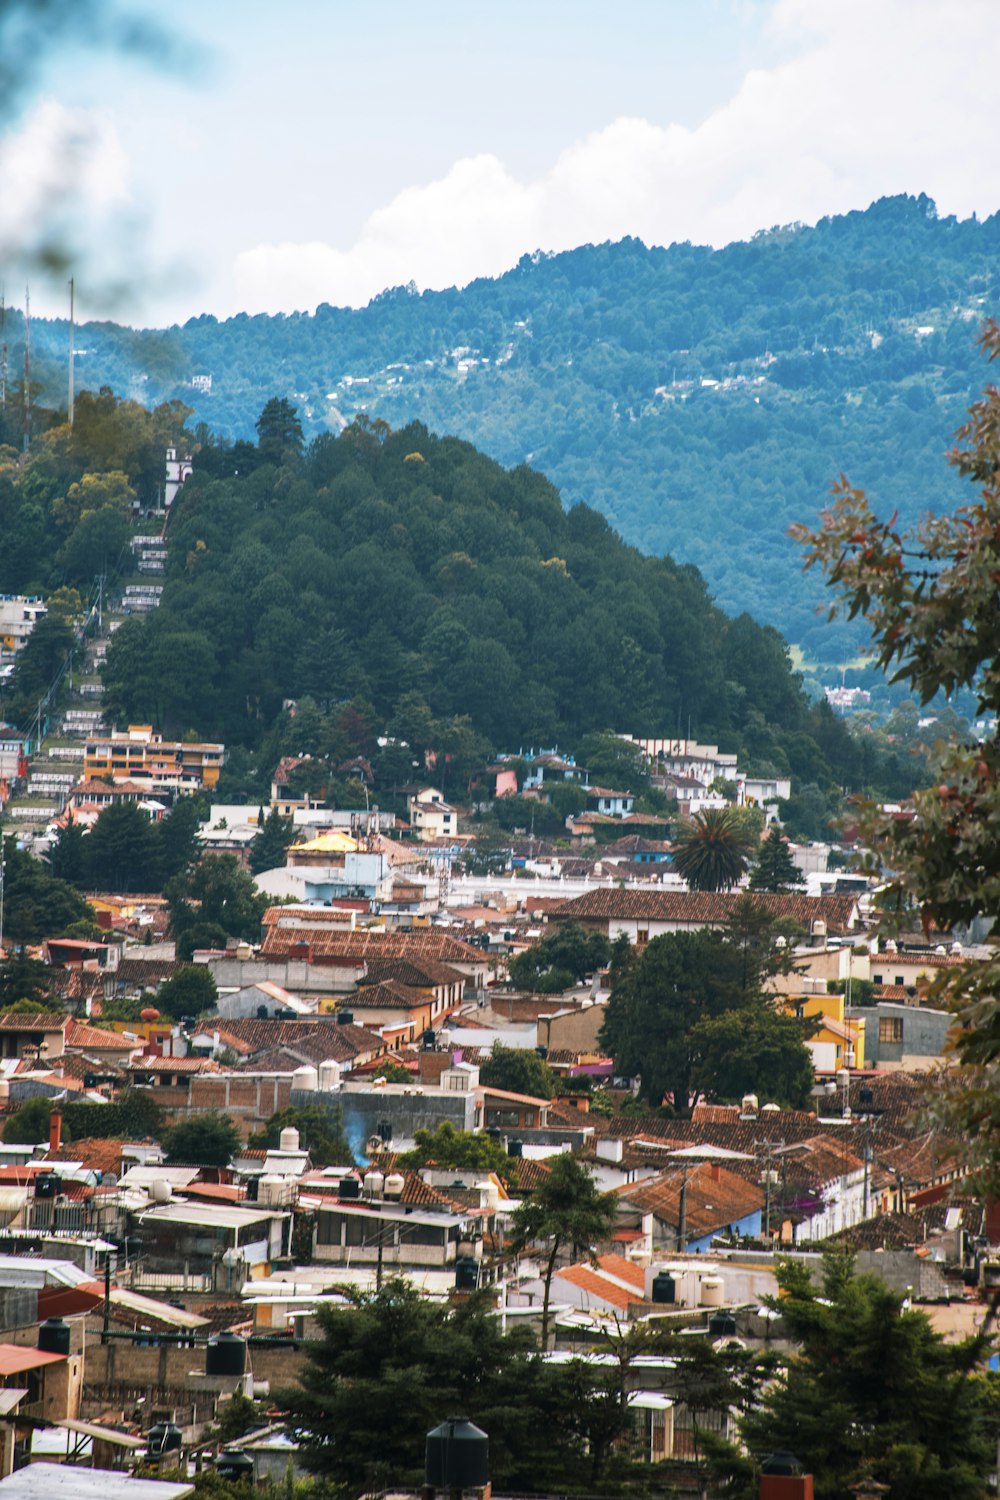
point(329, 1074)
point(274, 1191)
point(289, 1139)
point(159, 1191)
point(394, 1185)
point(374, 1184)
point(712, 1291)
point(489, 1196)
point(305, 1077)
point(750, 1102)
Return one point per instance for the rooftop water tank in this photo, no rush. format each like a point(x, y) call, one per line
point(345, 1017)
point(515, 1148)
point(226, 1354)
point(159, 1191)
point(664, 1288)
point(349, 1187)
point(374, 1184)
point(749, 1104)
point(393, 1186)
point(329, 1074)
point(457, 1456)
point(305, 1077)
point(53, 1336)
point(722, 1325)
point(712, 1291)
point(234, 1466)
point(466, 1273)
point(289, 1139)
point(163, 1438)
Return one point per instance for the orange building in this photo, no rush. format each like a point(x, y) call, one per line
point(140, 756)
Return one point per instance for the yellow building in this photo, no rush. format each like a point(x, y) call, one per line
point(837, 1039)
point(139, 755)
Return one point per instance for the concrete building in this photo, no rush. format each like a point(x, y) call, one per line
point(19, 614)
point(141, 756)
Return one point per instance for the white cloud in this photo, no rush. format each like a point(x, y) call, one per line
point(875, 97)
point(64, 175)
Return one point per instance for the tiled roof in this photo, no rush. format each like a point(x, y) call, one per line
point(80, 1037)
point(528, 1174)
point(714, 1198)
point(173, 1065)
point(329, 1044)
point(41, 1020)
point(892, 1231)
point(598, 1286)
point(624, 1270)
point(353, 946)
point(705, 908)
point(388, 994)
point(419, 973)
point(419, 1194)
point(144, 972)
point(96, 1155)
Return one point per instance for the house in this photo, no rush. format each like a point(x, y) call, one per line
point(19, 614)
point(352, 1232)
point(548, 766)
point(691, 1204)
point(225, 1243)
point(605, 800)
point(901, 1035)
point(145, 758)
point(685, 757)
point(33, 1036)
point(643, 914)
point(431, 817)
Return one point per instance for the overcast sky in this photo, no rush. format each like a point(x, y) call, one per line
point(320, 150)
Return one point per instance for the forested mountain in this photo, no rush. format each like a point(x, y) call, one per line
point(403, 584)
point(701, 400)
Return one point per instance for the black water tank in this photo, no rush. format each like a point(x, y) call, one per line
point(785, 1464)
point(345, 1018)
point(53, 1336)
point(349, 1187)
point(163, 1438)
point(722, 1325)
point(225, 1354)
point(47, 1184)
point(466, 1273)
point(234, 1466)
point(664, 1287)
point(515, 1148)
point(457, 1456)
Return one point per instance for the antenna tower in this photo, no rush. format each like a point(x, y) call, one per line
point(69, 405)
point(27, 367)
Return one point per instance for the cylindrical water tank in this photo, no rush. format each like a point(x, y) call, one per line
point(457, 1456)
point(234, 1466)
point(289, 1139)
point(164, 1437)
point(393, 1186)
point(345, 1017)
point(722, 1325)
point(466, 1273)
point(515, 1148)
point(53, 1336)
point(712, 1291)
point(664, 1288)
point(305, 1077)
point(225, 1354)
point(270, 1190)
point(349, 1187)
point(159, 1191)
point(374, 1184)
point(329, 1074)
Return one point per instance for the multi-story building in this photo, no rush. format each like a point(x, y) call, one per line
point(18, 617)
point(138, 755)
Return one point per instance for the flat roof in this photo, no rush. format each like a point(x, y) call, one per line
point(221, 1215)
point(67, 1482)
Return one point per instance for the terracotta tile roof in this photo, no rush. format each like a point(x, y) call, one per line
point(715, 1198)
point(818, 1161)
point(624, 1270)
point(528, 1174)
point(96, 1155)
point(387, 994)
point(143, 973)
point(351, 947)
point(78, 1064)
point(80, 1037)
point(151, 1064)
point(419, 1194)
point(705, 908)
point(332, 1043)
point(892, 1231)
point(598, 1286)
point(41, 1020)
point(424, 973)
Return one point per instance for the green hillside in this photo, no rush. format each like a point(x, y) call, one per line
point(701, 400)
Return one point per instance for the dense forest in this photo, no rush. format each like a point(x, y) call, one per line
point(701, 400)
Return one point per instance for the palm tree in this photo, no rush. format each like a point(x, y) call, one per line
point(712, 851)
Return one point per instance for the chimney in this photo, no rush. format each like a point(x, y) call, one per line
point(55, 1130)
point(716, 1172)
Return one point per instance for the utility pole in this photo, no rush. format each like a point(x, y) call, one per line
point(69, 404)
point(682, 1211)
point(27, 367)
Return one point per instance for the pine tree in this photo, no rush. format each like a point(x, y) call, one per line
point(775, 869)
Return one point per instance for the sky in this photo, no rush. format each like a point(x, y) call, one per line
point(266, 158)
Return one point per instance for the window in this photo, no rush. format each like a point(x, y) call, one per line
point(641, 936)
point(890, 1029)
point(900, 980)
point(500, 1117)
